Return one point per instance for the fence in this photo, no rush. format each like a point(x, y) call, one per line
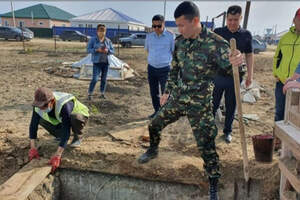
point(42, 32)
point(110, 32)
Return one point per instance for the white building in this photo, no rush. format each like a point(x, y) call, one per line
point(110, 17)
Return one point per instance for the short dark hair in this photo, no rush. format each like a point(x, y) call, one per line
point(187, 9)
point(101, 26)
point(158, 18)
point(233, 10)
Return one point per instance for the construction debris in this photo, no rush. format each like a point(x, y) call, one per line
point(250, 94)
point(248, 98)
point(253, 117)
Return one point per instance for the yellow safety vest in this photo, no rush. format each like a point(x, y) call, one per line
point(61, 99)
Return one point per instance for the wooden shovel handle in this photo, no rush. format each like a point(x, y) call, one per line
point(236, 78)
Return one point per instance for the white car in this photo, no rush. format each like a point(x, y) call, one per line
point(136, 39)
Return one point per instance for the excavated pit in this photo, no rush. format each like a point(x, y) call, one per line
point(69, 184)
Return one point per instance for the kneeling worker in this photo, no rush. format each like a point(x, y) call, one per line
point(57, 112)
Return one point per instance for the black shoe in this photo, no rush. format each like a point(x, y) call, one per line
point(102, 96)
point(75, 143)
point(151, 116)
point(148, 155)
point(228, 137)
point(89, 97)
point(213, 188)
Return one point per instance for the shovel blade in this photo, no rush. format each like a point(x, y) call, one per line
point(247, 190)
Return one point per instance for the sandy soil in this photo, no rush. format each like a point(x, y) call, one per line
point(127, 106)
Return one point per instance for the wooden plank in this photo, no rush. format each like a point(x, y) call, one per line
point(290, 140)
point(288, 98)
point(289, 175)
point(290, 136)
point(294, 116)
point(288, 130)
point(284, 153)
point(295, 95)
point(21, 184)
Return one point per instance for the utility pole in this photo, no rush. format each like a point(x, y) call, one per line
point(31, 18)
point(165, 5)
point(13, 13)
point(247, 11)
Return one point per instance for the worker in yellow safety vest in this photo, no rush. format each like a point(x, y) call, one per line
point(58, 113)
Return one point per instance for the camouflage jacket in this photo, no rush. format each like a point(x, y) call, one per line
point(197, 61)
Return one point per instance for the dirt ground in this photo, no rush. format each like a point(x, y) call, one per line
point(127, 106)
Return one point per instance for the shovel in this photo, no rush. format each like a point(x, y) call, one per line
point(248, 188)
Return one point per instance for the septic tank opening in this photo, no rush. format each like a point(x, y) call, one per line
point(69, 184)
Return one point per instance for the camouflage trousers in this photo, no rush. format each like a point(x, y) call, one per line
point(199, 112)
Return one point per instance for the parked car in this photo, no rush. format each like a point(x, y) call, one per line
point(137, 39)
point(258, 46)
point(7, 32)
point(117, 38)
point(74, 35)
point(27, 30)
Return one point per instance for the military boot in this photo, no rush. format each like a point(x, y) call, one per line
point(152, 151)
point(213, 188)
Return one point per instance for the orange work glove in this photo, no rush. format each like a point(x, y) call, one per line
point(55, 162)
point(33, 153)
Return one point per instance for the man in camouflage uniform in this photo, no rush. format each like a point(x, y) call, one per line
point(198, 55)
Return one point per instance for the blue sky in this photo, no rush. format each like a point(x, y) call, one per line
point(263, 14)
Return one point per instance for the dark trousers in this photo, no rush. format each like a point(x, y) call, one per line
point(97, 69)
point(157, 77)
point(279, 102)
point(78, 122)
point(225, 84)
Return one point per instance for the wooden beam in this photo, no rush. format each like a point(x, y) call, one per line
point(294, 117)
point(289, 175)
point(284, 153)
point(288, 100)
point(290, 136)
point(295, 97)
point(21, 184)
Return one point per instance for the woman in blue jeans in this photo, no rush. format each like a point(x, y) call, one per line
point(100, 47)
